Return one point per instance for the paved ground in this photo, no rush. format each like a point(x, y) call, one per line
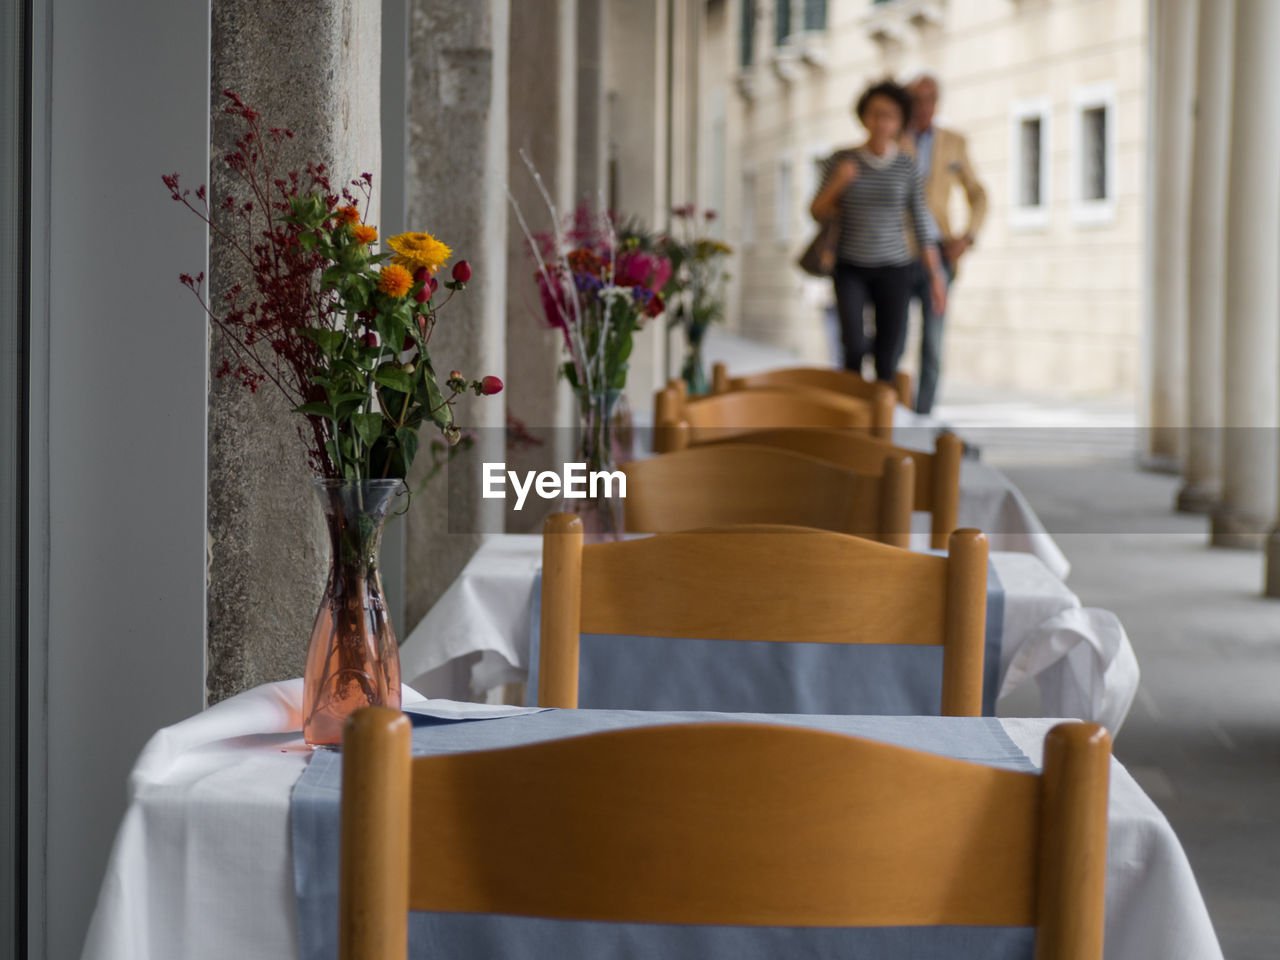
point(1203, 738)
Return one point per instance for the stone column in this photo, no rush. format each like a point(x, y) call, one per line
point(589, 159)
point(542, 115)
point(1172, 93)
point(455, 171)
point(1207, 258)
point(1252, 350)
point(636, 40)
point(318, 75)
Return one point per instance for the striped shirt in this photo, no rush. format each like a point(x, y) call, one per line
point(875, 208)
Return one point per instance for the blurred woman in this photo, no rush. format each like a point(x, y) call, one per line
point(870, 188)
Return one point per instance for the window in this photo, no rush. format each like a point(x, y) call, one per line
point(748, 207)
point(781, 21)
point(747, 38)
point(1093, 129)
point(784, 201)
point(1030, 137)
point(815, 14)
point(1029, 168)
point(1093, 151)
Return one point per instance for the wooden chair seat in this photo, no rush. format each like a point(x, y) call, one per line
point(721, 823)
point(763, 583)
point(720, 484)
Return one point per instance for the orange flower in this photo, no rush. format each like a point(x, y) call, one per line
point(364, 233)
point(348, 215)
point(394, 280)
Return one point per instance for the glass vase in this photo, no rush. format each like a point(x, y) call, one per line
point(694, 372)
point(601, 508)
point(353, 660)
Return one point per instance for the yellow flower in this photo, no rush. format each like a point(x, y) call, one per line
point(364, 233)
point(418, 250)
point(394, 280)
point(348, 215)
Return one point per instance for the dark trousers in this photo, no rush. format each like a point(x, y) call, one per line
point(888, 289)
point(930, 334)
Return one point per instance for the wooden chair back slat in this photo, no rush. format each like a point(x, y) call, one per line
point(762, 583)
point(719, 484)
point(722, 416)
point(721, 823)
point(937, 474)
point(883, 397)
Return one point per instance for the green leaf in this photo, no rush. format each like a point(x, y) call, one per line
point(329, 341)
point(368, 426)
point(315, 409)
point(390, 375)
point(408, 440)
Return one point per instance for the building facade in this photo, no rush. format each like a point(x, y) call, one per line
point(1053, 98)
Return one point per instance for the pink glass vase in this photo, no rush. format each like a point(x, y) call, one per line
point(353, 660)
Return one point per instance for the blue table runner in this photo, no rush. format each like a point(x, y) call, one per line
point(665, 673)
point(442, 936)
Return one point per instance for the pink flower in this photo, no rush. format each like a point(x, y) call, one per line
point(424, 294)
point(462, 271)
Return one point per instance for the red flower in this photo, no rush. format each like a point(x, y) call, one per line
point(424, 294)
point(655, 307)
point(370, 339)
point(490, 385)
point(421, 275)
point(462, 271)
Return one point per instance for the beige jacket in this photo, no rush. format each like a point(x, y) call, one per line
point(950, 167)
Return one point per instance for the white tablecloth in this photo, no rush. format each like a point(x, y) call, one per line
point(202, 870)
point(1080, 657)
point(988, 499)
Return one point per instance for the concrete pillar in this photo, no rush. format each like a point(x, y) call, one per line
point(636, 71)
point(1172, 95)
point(589, 159)
point(1206, 269)
point(318, 75)
point(1252, 350)
point(455, 172)
point(542, 116)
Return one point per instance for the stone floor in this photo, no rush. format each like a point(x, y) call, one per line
point(1203, 737)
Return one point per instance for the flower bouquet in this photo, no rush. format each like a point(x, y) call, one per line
point(342, 333)
point(598, 288)
point(696, 290)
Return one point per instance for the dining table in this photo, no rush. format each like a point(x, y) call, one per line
point(1079, 658)
point(228, 847)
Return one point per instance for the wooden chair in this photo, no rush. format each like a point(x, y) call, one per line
point(721, 823)
point(937, 474)
point(727, 483)
point(680, 421)
point(762, 582)
point(823, 378)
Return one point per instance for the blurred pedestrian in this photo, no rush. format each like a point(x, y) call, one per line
point(943, 158)
point(870, 188)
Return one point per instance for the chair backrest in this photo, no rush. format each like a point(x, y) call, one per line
point(826, 378)
point(763, 583)
point(727, 483)
point(737, 824)
point(937, 474)
point(681, 421)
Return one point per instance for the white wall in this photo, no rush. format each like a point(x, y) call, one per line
point(121, 95)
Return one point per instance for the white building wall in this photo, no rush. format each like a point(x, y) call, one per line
point(1053, 309)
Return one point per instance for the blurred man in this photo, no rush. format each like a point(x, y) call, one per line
point(943, 159)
